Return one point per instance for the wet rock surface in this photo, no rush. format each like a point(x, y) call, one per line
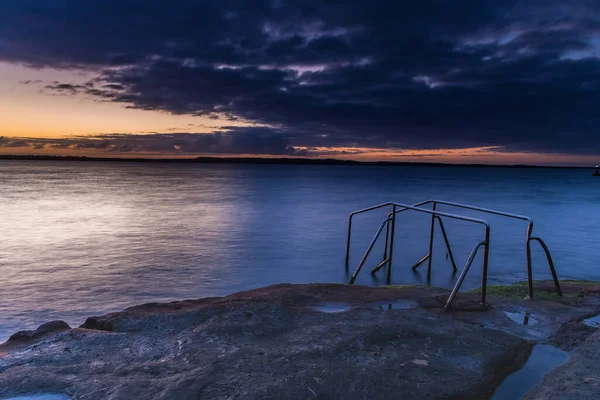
point(274, 343)
point(578, 379)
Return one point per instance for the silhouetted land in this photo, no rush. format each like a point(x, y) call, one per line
point(259, 160)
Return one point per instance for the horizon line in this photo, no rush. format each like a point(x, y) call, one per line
point(270, 160)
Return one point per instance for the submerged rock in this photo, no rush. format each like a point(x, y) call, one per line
point(274, 343)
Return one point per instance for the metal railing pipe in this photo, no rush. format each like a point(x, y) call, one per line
point(443, 214)
point(366, 255)
point(348, 242)
point(393, 233)
point(381, 265)
point(350, 227)
point(482, 209)
point(387, 236)
point(463, 273)
point(551, 263)
point(349, 237)
point(484, 273)
point(529, 263)
point(435, 214)
point(431, 233)
point(421, 261)
point(414, 205)
point(447, 244)
point(504, 214)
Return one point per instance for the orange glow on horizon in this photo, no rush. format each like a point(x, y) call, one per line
point(27, 111)
point(477, 155)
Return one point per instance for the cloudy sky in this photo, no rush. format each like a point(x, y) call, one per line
point(500, 81)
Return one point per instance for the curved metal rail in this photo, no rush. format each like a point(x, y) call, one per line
point(528, 240)
point(435, 214)
point(389, 223)
point(550, 263)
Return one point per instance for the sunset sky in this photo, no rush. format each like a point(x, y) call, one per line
point(500, 82)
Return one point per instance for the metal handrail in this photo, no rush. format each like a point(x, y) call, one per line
point(528, 240)
point(435, 214)
point(364, 258)
point(363, 211)
point(463, 273)
point(482, 209)
point(550, 263)
point(448, 248)
point(443, 214)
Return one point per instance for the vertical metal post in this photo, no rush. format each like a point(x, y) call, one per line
point(554, 276)
point(389, 269)
point(431, 231)
point(348, 242)
point(387, 236)
point(529, 266)
point(486, 256)
point(447, 243)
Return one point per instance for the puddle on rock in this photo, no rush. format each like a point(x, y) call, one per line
point(521, 318)
point(333, 307)
point(594, 321)
point(41, 396)
point(387, 305)
point(542, 360)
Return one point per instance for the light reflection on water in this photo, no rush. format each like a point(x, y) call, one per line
point(89, 238)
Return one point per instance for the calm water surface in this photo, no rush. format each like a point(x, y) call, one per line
point(81, 239)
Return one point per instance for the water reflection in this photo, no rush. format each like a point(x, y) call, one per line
point(523, 318)
point(80, 239)
point(542, 360)
point(594, 321)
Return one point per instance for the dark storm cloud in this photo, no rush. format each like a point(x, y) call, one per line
point(423, 74)
point(65, 87)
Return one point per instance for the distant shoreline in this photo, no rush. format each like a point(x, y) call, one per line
point(269, 161)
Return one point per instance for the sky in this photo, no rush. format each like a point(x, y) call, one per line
point(462, 81)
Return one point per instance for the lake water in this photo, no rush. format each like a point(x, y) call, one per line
point(81, 239)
